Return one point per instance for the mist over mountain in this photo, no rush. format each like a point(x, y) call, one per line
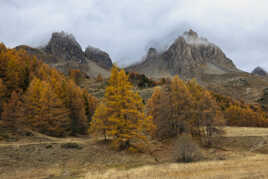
point(188, 56)
point(127, 29)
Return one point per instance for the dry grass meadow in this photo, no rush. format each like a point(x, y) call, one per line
point(248, 167)
point(240, 153)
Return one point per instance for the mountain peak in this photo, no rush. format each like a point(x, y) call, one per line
point(191, 37)
point(64, 45)
point(152, 52)
point(259, 71)
point(189, 56)
point(191, 34)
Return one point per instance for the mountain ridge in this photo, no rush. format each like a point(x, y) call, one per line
point(188, 56)
point(65, 53)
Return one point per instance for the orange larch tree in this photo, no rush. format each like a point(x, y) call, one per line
point(170, 107)
point(206, 117)
point(13, 110)
point(72, 97)
point(90, 103)
point(44, 110)
point(2, 94)
point(120, 116)
point(158, 107)
point(76, 76)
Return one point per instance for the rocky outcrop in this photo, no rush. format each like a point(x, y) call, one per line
point(65, 46)
point(100, 57)
point(40, 54)
point(259, 71)
point(188, 56)
point(64, 53)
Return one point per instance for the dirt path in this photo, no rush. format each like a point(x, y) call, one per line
point(18, 144)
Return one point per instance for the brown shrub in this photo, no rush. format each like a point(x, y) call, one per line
point(186, 150)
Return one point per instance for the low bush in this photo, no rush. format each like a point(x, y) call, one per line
point(186, 150)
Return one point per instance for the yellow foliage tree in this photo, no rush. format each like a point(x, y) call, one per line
point(44, 111)
point(184, 108)
point(245, 117)
point(2, 94)
point(72, 97)
point(158, 108)
point(120, 116)
point(180, 104)
point(76, 76)
point(2, 89)
point(170, 108)
point(12, 110)
point(14, 69)
point(90, 103)
point(43, 86)
point(206, 117)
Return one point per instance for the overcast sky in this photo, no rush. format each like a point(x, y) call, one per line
point(126, 28)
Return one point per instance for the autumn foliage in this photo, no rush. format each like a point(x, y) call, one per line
point(76, 75)
point(2, 95)
point(239, 113)
point(120, 116)
point(141, 80)
point(12, 110)
point(34, 95)
point(181, 107)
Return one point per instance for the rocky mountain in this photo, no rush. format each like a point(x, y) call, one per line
point(65, 46)
point(189, 56)
point(64, 53)
point(259, 71)
point(100, 57)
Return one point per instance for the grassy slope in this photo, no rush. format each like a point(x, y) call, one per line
point(241, 153)
point(249, 167)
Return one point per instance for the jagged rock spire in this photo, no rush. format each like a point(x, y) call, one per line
point(65, 46)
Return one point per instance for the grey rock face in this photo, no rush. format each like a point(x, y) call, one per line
point(188, 56)
point(152, 53)
point(66, 47)
point(259, 71)
point(64, 53)
point(100, 57)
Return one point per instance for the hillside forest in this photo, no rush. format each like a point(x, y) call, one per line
point(37, 97)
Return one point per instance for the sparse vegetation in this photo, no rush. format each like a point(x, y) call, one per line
point(186, 150)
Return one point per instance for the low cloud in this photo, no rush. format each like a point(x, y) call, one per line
point(127, 28)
